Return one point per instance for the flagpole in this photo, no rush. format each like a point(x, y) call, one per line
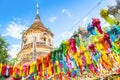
point(34, 49)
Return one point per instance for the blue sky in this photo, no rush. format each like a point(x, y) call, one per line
point(63, 17)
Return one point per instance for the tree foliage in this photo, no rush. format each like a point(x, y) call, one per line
point(3, 50)
point(12, 61)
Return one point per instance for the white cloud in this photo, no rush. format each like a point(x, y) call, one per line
point(66, 34)
point(17, 19)
point(85, 19)
point(105, 25)
point(15, 48)
point(14, 28)
point(52, 19)
point(56, 43)
point(83, 23)
point(66, 11)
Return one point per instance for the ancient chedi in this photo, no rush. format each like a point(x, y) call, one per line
point(37, 41)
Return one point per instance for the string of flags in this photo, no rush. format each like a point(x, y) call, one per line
point(88, 54)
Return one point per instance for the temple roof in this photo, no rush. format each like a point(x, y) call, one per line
point(38, 25)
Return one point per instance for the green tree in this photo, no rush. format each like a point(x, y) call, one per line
point(12, 61)
point(3, 50)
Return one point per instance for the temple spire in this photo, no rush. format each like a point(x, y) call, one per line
point(37, 18)
point(37, 9)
